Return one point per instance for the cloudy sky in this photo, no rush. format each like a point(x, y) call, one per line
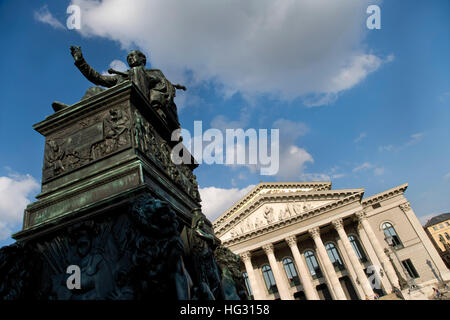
point(361, 108)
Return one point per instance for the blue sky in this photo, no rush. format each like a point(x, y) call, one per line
point(363, 108)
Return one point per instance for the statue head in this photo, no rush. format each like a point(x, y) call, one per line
point(136, 58)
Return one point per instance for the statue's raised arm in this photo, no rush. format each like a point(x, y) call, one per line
point(89, 72)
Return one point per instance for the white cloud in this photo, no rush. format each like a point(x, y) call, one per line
point(447, 176)
point(360, 137)
point(386, 148)
point(5, 231)
point(302, 48)
point(117, 65)
point(216, 201)
point(378, 171)
point(322, 176)
point(362, 167)
point(292, 158)
point(45, 16)
point(366, 166)
point(293, 161)
point(14, 192)
point(413, 139)
point(315, 177)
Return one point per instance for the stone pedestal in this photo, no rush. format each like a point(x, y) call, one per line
point(115, 217)
point(102, 151)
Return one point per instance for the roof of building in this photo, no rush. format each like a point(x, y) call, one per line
point(437, 219)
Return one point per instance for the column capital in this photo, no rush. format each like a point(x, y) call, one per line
point(314, 232)
point(406, 206)
point(338, 224)
point(268, 248)
point(291, 241)
point(246, 256)
point(361, 215)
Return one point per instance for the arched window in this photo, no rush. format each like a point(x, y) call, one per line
point(335, 258)
point(247, 284)
point(269, 279)
point(447, 236)
point(313, 265)
point(291, 272)
point(389, 231)
point(358, 248)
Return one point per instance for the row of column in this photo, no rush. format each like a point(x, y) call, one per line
point(330, 273)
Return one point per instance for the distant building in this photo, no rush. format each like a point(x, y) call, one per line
point(303, 240)
point(438, 229)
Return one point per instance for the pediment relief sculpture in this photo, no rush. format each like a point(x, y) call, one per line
point(266, 216)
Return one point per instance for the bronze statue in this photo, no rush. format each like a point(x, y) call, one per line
point(151, 82)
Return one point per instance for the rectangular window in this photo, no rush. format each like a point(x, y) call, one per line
point(434, 228)
point(410, 268)
point(376, 206)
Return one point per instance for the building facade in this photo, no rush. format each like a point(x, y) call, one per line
point(303, 240)
point(438, 229)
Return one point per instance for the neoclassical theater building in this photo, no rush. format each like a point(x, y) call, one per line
point(303, 240)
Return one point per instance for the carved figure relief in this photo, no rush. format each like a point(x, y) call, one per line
point(116, 124)
point(268, 215)
point(258, 223)
point(298, 208)
point(86, 141)
point(54, 157)
point(132, 255)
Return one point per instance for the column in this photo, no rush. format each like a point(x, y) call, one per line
point(283, 288)
point(390, 272)
point(310, 291)
point(374, 260)
point(351, 271)
point(364, 282)
point(256, 290)
point(329, 268)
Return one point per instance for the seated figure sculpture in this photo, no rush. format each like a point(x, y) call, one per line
point(151, 82)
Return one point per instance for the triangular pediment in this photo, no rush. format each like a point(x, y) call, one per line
point(266, 206)
point(265, 188)
point(272, 213)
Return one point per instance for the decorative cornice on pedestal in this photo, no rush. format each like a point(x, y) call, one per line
point(246, 256)
point(405, 206)
point(268, 248)
point(314, 232)
point(338, 224)
point(291, 241)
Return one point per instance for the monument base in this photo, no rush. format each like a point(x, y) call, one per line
point(115, 216)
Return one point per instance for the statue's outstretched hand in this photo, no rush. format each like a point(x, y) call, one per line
point(180, 87)
point(76, 53)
